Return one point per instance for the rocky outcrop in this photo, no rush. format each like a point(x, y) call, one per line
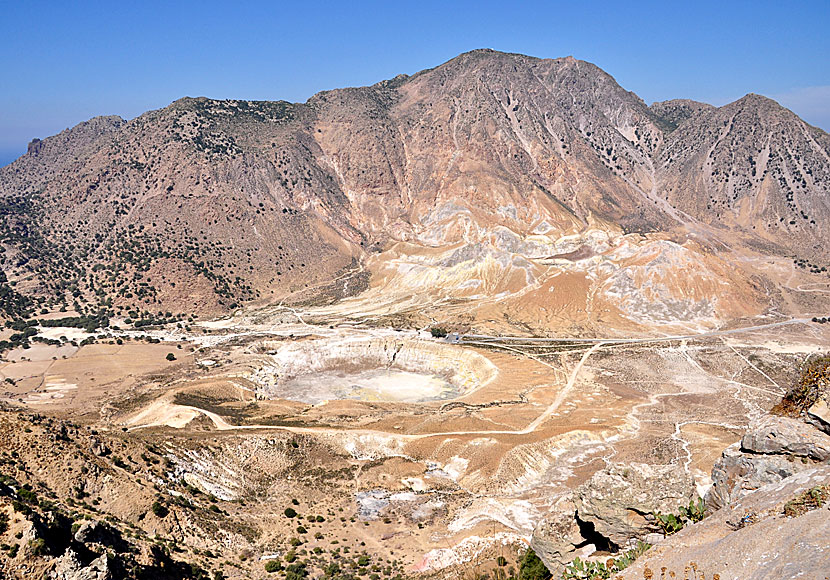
point(751, 539)
point(557, 539)
point(773, 449)
point(610, 511)
point(68, 567)
point(619, 501)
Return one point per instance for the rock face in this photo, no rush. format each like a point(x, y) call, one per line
point(68, 567)
point(611, 511)
point(557, 539)
point(750, 539)
point(746, 537)
point(619, 500)
point(773, 448)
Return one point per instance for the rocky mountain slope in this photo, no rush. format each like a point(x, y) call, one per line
point(493, 158)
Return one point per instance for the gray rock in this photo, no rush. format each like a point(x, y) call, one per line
point(773, 434)
point(86, 531)
point(734, 476)
point(556, 538)
point(613, 509)
point(68, 567)
point(619, 500)
point(773, 449)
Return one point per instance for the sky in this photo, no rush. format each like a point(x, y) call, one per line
point(64, 62)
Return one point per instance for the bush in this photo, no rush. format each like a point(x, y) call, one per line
point(810, 499)
point(272, 566)
point(170, 356)
point(669, 523)
point(38, 547)
point(159, 509)
point(290, 513)
point(695, 512)
point(27, 495)
point(587, 570)
point(438, 332)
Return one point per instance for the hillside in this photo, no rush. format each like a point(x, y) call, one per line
point(493, 158)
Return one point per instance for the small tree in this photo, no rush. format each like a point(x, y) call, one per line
point(171, 356)
point(438, 332)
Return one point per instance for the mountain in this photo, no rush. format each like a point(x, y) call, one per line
point(482, 177)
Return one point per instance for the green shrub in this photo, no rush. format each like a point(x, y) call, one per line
point(532, 568)
point(272, 566)
point(159, 509)
point(27, 495)
point(669, 523)
point(695, 512)
point(438, 332)
point(588, 570)
point(290, 513)
point(38, 547)
point(808, 500)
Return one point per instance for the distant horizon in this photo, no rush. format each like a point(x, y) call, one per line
point(63, 64)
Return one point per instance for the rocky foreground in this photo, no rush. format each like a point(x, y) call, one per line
point(768, 509)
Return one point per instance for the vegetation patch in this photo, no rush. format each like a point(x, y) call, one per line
point(813, 384)
point(811, 499)
point(589, 570)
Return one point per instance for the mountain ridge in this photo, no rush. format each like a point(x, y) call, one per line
point(254, 201)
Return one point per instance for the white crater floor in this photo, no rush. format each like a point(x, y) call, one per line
point(371, 385)
point(375, 369)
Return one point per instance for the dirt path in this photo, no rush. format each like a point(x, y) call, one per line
point(506, 343)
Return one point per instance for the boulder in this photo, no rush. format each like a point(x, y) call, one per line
point(557, 538)
point(773, 448)
point(773, 434)
point(737, 474)
point(610, 511)
point(68, 567)
point(617, 503)
point(94, 532)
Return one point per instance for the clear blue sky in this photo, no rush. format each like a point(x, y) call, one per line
point(64, 62)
